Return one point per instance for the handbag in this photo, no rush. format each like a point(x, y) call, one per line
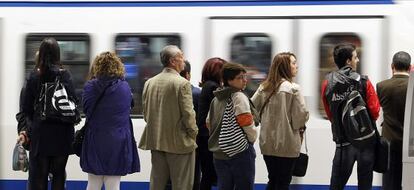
point(301, 164)
point(20, 161)
point(382, 154)
point(80, 134)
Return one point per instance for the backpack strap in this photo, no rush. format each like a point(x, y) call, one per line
point(363, 88)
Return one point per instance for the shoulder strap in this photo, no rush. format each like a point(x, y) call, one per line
point(97, 101)
point(265, 103)
point(268, 99)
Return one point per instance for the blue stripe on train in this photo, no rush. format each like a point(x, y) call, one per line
point(195, 3)
point(76, 185)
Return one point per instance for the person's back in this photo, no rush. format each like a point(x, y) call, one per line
point(346, 154)
point(392, 94)
point(50, 140)
point(171, 129)
point(162, 95)
point(109, 149)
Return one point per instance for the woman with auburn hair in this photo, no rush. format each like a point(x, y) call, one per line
point(283, 116)
point(109, 149)
point(210, 81)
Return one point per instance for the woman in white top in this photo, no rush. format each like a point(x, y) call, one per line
point(283, 116)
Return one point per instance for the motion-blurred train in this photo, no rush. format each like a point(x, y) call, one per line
point(246, 32)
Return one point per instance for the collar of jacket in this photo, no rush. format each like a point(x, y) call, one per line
point(347, 71)
point(222, 93)
point(401, 75)
point(170, 70)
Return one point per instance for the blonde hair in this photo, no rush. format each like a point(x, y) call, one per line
point(280, 69)
point(107, 64)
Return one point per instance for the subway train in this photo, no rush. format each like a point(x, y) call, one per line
point(246, 32)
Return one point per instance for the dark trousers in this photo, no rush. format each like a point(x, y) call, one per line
point(280, 171)
point(41, 166)
point(391, 180)
point(205, 165)
point(343, 163)
point(238, 172)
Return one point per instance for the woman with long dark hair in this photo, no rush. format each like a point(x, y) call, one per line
point(50, 139)
point(283, 116)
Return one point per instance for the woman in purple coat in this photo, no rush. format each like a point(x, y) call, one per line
point(109, 149)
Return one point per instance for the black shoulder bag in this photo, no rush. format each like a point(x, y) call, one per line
point(80, 134)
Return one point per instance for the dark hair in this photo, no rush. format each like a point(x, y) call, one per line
point(49, 54)
point(187, 69)
point(343, 53)
point(280, 69)
point(401, 61)
point(230, 71)
point(212, 70)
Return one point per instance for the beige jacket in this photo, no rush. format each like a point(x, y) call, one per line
point(168, 111)
point(281, 119)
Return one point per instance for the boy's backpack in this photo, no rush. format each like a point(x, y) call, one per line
point(54, 103)
point(358, 128)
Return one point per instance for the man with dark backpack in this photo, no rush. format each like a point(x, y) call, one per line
point(352, 106)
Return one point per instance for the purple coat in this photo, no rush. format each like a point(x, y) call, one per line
point(109, 147)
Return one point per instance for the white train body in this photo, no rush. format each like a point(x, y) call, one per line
point(207, 31)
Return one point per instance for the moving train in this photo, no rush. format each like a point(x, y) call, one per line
point(247, 32)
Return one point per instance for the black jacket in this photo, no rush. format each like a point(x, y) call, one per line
point(206, 97)
point(48, 138)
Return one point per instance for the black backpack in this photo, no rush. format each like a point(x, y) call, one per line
point(358, 127)
point(54, 103)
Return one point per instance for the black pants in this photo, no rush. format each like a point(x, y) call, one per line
point(391, 180)
point(41, 166)
point(204, 161)
point(343, 164)
point(280, 171)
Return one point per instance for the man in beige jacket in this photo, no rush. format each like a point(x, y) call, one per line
point(171, 128)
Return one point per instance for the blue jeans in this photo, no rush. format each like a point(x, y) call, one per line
point(238, 172)
point(342, 166)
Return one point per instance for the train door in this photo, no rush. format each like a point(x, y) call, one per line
point(408, 140)
point(316, 39)
point(249, 41)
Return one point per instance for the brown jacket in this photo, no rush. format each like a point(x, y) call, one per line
point(392, 93)
point(281, 119)
point(168, 111)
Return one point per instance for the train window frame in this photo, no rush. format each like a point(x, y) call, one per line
point(82, 37)
point(321, 74)
point(267, 64)
point(178, 36)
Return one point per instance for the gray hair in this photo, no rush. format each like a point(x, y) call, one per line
point(401, 61)
point(167, 53)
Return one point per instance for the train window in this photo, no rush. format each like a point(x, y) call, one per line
point(140, 54)
point(74, 55)
point(254, 51)
point(326, 60)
